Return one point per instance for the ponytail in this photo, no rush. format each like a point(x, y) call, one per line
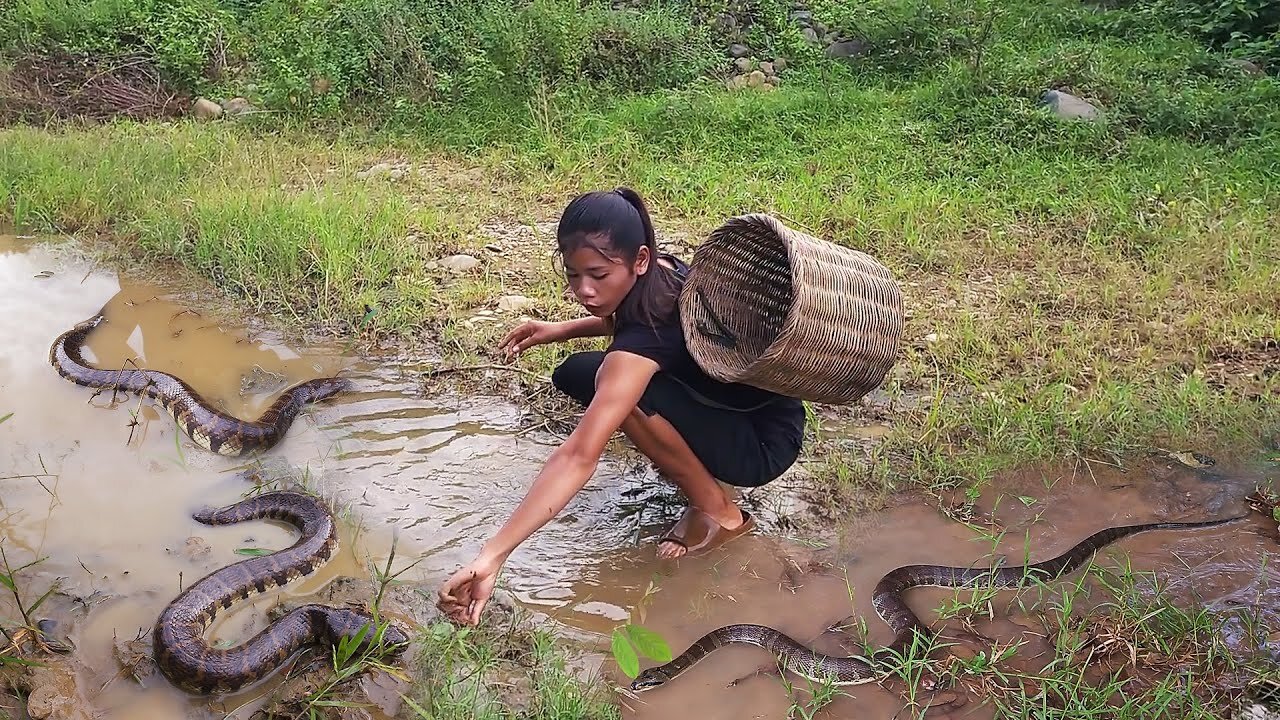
point(653, 299)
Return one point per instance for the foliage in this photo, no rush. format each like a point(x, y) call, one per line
point(630, 641)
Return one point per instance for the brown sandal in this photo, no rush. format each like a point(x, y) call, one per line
point(697, 531)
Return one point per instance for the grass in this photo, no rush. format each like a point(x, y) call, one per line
point(502, 670)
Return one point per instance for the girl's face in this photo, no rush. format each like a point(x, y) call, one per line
point(600, 283)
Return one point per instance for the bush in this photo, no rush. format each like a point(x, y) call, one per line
point(187, 38)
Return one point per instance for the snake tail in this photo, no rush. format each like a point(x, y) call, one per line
point(192, 664)
point(207, 427)
point(893, 609)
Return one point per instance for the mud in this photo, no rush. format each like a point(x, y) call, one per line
point(101, 490)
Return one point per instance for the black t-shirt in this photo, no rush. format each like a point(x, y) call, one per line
point(664, 344)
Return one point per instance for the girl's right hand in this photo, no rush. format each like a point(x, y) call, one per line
point(528, 334)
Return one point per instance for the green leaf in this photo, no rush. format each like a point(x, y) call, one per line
point(649, 643)
point(5, 417)
point(7, 582)
point(625, 655)
point(256, 552)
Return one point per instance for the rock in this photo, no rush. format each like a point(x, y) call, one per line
point(397, 174)
point(1248, 67)
point(755, 79)
point(1068, 106)
point(802, 17)
point(737, 82)
point(767, 68)
point(54, 693)
point(379, 169)
point(738, 50)
point(742, 64)
point(206, 109)
point(237, 106)
point(459, 263)
point(196, 548)
point(810, 35)
point(515, 303)
point(846, 49)
point(779, 64)
point(385, 691)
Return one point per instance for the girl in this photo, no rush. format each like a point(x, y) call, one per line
point(695, 429)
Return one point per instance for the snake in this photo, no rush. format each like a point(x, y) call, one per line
point(207, 427)
point(189, 662)
point(893, 609)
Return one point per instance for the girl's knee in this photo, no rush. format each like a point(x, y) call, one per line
point(576, 375)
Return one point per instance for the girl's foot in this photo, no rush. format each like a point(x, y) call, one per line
point(697, 531)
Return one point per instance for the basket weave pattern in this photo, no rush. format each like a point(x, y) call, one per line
point(775, 308)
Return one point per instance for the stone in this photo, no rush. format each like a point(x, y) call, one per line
point(846, 49)
point(1068, 106)
point(810, 34)
point(515, 303)
point(459, 263)
point(196, 548)
point(767, 68)
point(802, 17)
point(737, 82)
point(755, 79)
point(779, 64)
point(742, 64)
point(206, 109)
point(1248, 67)
point(739, 50)
point(379, 169)
point(237, 106)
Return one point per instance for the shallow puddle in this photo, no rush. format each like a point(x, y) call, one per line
point(107, 502)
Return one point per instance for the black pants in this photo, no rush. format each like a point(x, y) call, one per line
point(746, 449)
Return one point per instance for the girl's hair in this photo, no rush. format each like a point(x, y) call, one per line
point(616, 223)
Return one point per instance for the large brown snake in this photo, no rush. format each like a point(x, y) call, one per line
point(181, 651)
point(210, 429)
point(887, 599)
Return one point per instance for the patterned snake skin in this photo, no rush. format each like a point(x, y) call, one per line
point(887, 599)
point(186, 658)
point(208, 428)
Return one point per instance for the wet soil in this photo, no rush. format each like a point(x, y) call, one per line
point(105, 503)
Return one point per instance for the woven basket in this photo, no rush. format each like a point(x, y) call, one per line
point(774, 308)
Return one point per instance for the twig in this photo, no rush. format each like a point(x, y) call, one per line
point(468, 368)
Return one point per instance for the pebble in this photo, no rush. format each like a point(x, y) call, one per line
point(514, 303)
point(1068, 106)
point(237, 106)
point(459, 263)
point(378, 169)
point(206, 109)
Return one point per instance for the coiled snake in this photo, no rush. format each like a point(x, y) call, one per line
point(888, 602)
point(210, 429)
point(186, 658)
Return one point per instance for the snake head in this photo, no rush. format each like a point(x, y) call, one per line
point(649, 679)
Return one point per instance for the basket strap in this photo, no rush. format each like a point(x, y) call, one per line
point(725, 337)
point(700, 398)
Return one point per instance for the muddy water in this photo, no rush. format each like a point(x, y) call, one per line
point(109, 509)
point(1041, 514)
